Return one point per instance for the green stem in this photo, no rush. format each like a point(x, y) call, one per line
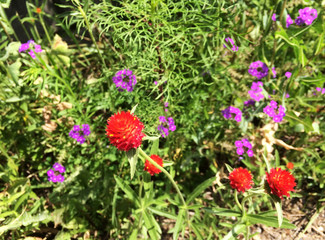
point(169, 177)
point(45, 30)
point(236, 200)
point(90, 31)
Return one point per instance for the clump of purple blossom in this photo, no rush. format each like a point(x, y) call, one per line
point(79, 133)
point(322, 90)
point(244, 145)
point(274, 17)
point(54, 175)
point(124, 79)
point(32, 46)
point(275, 112)
point(227, 113)
point(256, 91)
point(234, 48)
point(306, 15)
point(166, 125)
point(288, 74)
point(289, 21)
point(258, 69)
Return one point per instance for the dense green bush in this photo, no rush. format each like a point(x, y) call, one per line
point(178, 52)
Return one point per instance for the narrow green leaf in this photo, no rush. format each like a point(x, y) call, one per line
point(127, 190)
point(234, 232)
point(155, 147)
point(134, 108)
point(223, 212)
point(199, 189)
point(149, 222)
point(320, 44)
point(279, 212)
point(179, 223)
point(270, 221)
point(162, 213)
point(133, 159)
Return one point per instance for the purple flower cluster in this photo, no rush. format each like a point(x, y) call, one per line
point(124, 79)
point(234, 48)
point(166, 126)
point(322, 90)
point(271, 111)
point(243, 145)
point(289, 21)
point(54, 174)
point(256, 92)
point(258, 69)
point(288, 74)
point(227, 113)
point(80, 133)
point(32, 46)
point(306, 15)
point(274, 17)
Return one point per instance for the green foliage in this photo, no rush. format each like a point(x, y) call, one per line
point(178, 44)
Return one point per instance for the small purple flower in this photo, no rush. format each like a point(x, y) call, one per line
point(306, 15)
point(289, 21)
point(227, 113)
point(274, 17)
point(125, 80)
point(166, 104)
point(287, 95)
point(274, 72)
point(244, 145)
point(258, 69)
point(155, 82)
point(299, 21)
point(256, 92)
point(54, 175)
point(79, 133)
point(32, 48)
point(240, 151)
point(272, 111)
point(288, 74)
point(234, 48)
point(166, 125)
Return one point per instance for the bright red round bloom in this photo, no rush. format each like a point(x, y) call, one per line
point(124, 131)
point(150, 168)
point(241, 179)
point(280, 182)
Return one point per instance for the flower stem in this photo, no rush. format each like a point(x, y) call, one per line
point(169, 177)
point(236, 200)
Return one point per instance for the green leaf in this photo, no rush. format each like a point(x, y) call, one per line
point(270, 221)
point(199, 189)
point(223, 212)
point(133, 159)
point(133, 109)
point(127, 190)
point(234, 232)
point(155, 147)
point(281, 33)
point(14, 71)
point(230, 169)
point(279, 212)
point(151, 225)
point(320, 44)
point(179, 223)
point(162, 213)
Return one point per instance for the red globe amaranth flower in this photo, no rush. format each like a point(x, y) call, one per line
point(150, 168)
point(280, 182)
point(290, 165)
point(241, 179)
point(124, 131)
